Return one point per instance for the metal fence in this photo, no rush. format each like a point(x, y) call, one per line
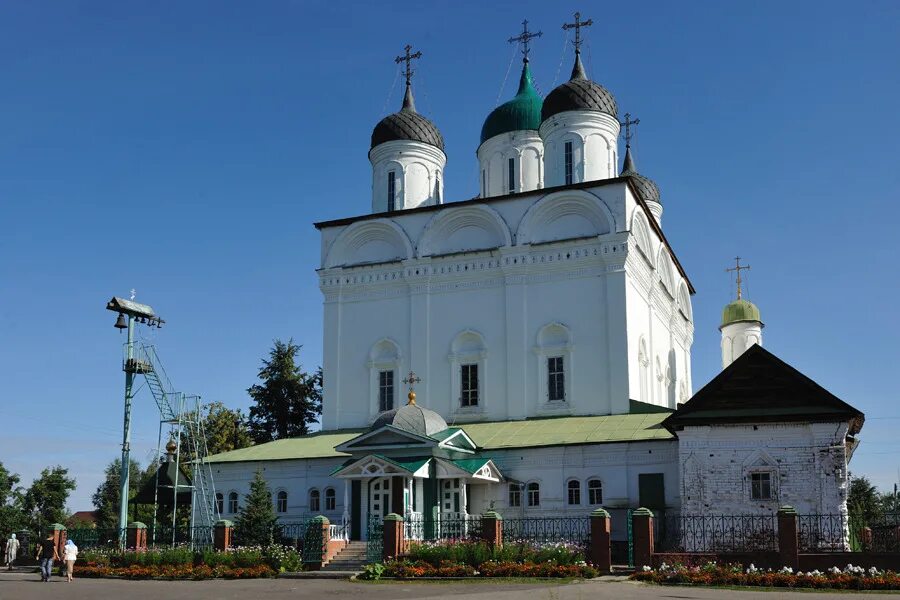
point(111, 537)
point(824, 533)
point(576, 530)
point(454, 527)
point(374, 539)
point(881, 534)
point(725, 534)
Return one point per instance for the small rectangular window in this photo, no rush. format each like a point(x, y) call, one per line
point(534, 494)
point(556, 379)
point(385, 390)
point(515, 494)
point(469, 385)
point(282, 502)
point(483, 184)
point(437, 190)
point(761, 486)
point(568, 155)
point(392, 190)
point(511, 176)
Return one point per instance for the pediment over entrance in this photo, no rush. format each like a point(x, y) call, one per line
point(385, 438)
point(472, 469)
point(375, 466)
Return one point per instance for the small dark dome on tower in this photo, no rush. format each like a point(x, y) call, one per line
point(579, 93)
point(407, 125)
point(648, 190)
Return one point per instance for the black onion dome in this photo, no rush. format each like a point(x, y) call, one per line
point(412, 418)
point(648, 190)
point(579, 93)
point(407, 125)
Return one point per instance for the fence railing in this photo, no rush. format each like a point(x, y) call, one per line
point(457, 526)
point(576, 530)
point(110, 537)
point(720, 534)
point(824, 533)
point(881, 534)
point(374, 538)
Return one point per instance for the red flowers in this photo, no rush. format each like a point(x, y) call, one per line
point(412, 569)
point(175, 571)
point(850, 578)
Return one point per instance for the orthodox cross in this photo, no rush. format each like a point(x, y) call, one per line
point(412, 380)
point(627, 123)
point(577, 25)
point(133, 293)
point(408, 58)
point(525, 37)
point(738, 268)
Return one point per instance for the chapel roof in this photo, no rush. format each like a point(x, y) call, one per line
point(489, 435)
point(412, 418)
point(407, 124)
point(579, 93)
point(759, 387)
point(521, 113)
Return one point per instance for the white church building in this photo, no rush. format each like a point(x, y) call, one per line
point(546, 328)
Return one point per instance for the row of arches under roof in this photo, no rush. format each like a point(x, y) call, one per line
point(474, 227)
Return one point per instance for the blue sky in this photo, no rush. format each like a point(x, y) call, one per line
point(185, 148)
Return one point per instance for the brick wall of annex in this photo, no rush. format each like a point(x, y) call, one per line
point(808, 462)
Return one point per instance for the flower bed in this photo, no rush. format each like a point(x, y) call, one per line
point(849, 578)
point(175, 572)
point(475, 554)
point(185, 563)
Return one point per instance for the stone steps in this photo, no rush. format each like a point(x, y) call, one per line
point(352, 558)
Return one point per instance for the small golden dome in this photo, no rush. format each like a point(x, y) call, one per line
point(171, 447)
point(412, 397)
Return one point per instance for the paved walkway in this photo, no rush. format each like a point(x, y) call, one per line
point(25, 587)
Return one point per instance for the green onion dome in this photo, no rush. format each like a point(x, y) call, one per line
point(579, 93)
point(521, 113)
point(738, 311)
point(648, 190)
point(407, 125)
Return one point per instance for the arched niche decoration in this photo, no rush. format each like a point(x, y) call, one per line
point(666, 270)
point(379, 240)
point(565, 215)
point(641, 232)
point(684, 301)
point(462, 229)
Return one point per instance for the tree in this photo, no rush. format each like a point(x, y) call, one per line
point(45, 500)
point(863, 500)
point(12, 517)
point(288, 400)
point(225, 429)
point(255, 524)
point(106, 498)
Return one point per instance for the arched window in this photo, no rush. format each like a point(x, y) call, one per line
point(554, 346)
point(330, 499)
point(574, 492)
point(384, 364)
point(534, 494)
point(314, 500)
point(281, 503)
point(467, 368)
point(515, 494)
point(220, 502)
point(233, 502)
point(595, 491)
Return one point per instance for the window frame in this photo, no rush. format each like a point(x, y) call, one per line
point(533, 494)
point(556, 379)
point(514, 492)
point(769, 483)
point(330, 499)
point(234, 506)
point(569, 162)
point(511, 175)
point(573, 492)
point(592, 500)
point(469, 389)
point(220, 503)
point(315, 500)
point(386, 391)
point(281, 501)
point(392, 190)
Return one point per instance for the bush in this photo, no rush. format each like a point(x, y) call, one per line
point(475, 554)
point(276, 558)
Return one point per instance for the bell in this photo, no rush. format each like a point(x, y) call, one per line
point(120, 322)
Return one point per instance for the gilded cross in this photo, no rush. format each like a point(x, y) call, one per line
point(408, 58)
point(577, 25)
point(412, 379)
point(627, 123)
point(525, 37)
point(738, 268)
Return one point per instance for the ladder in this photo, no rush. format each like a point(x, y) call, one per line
point(184, 412)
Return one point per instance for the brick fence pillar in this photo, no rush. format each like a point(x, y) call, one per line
point(788, 540)
point(599, 552)
point(642, 537)
point(393, 545)
point(136, 536)
point(223, 535)
point(59, 537)
point(492, 528)
point(314, 561)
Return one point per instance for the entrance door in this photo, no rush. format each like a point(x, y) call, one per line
point(450, 497)
point(380, 498)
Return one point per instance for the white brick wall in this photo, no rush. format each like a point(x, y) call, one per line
point(808, 462)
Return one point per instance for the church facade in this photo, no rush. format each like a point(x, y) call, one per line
point(528, 350)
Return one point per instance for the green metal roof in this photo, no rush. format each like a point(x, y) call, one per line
point(740, 310)
point(493, 435)
point(523, 112)
point(471, 465)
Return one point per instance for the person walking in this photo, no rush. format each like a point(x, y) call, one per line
point(70, 555)
point(12, 550)
point(47, 554)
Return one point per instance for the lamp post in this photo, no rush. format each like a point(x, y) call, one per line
point(130, 313)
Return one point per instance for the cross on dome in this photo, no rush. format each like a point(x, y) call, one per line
point(627, 123)
point(408, 58)
point(525, 37)
point(738, 268)
point(577, 25)
point(412, 379)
